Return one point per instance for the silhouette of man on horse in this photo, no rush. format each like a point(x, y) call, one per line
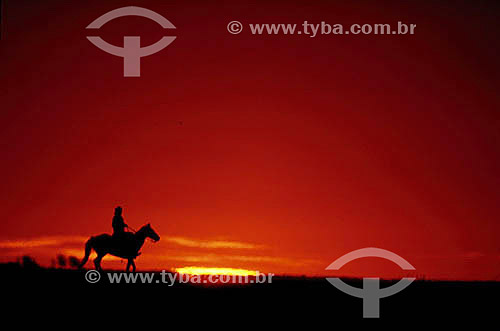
point(120, 236)
point(122, 244)
point(118, 223)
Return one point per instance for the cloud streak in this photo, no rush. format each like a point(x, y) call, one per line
point(213, 244)
point(68, 240)
point(42, 242)
point(218, 258)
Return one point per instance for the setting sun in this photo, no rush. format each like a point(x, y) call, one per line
point(215, 271)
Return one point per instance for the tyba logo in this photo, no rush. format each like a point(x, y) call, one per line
point(371, 293)
point(131, 50)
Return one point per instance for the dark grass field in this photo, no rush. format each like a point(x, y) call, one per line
point(286, 301)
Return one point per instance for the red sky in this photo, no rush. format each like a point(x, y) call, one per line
point(293, 150)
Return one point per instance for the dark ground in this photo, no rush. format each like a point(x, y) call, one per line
point(53, 294)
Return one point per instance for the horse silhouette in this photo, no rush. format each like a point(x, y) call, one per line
point(126, 247)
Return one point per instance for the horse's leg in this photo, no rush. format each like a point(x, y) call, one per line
point(97, 261)
point(128, 265)
point(133, 264)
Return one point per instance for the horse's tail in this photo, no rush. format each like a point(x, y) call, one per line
point(88, 250)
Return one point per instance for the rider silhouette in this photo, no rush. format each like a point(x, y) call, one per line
point(118, 223)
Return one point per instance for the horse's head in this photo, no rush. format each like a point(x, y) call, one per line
point(150, 233)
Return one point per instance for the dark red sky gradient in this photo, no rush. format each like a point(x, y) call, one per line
point(305, 147)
